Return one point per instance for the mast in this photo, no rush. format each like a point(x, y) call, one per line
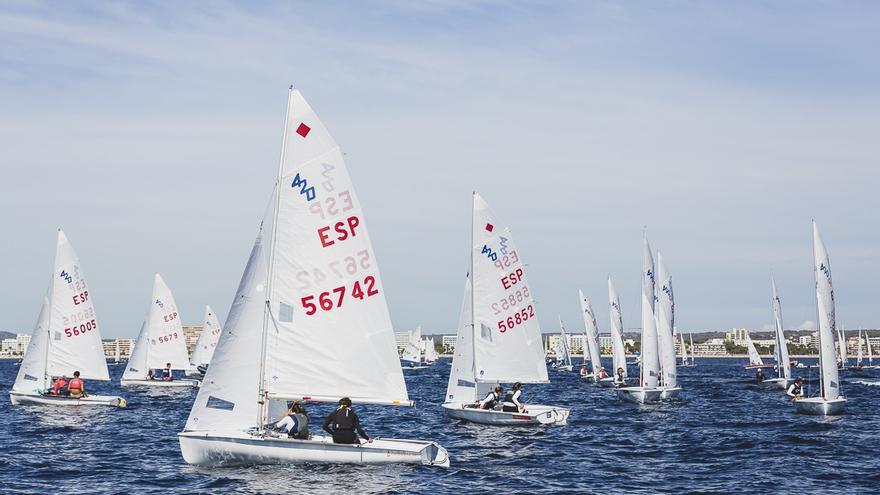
point(818, 320)
point(262, 397)
point(52, 283)
point(473, 304)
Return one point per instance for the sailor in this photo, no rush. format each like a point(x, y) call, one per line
point(620, 380)
point(583, 371)
point(603, 373)
point(295, 423)
point(344, 422)
point(76, 387)
point(60, 386)
point(795, 391)
point(511, 400)
point(166, 373)
point(492, 399)
point(759, 375)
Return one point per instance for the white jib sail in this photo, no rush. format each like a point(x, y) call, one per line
point(682, 351)
point(328, 334)
point(74, 338)
point(691, 338)
point(461, 387)
point(618, 352)
point(165, 340)
point(650, 360)
point(666, 318)
point(783, 364)
point(563, 345)
point(32, 371)
point(228, 396)
point(868, 345)
point(754, 357)
point(413, 350)
point(591, 335)
point(841, 342)
point(830, 389)
point(430, 350)
point(208, 339)
point(508, 344)
point(136, 368)
point(859, 353)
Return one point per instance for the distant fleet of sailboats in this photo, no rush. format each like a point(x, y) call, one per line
point(300, 328)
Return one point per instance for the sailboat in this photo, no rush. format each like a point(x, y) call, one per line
point(665, 339)
point(618, 351)
point(117, 354)
point(783, 364)
point(693, 352)
point(412, 353)
point(649, 363)
point(870, 365)
point(755, 360)
point(207, 342)
point(591, 344)
point(160, 341)
point(499, 338)
point(843, 359)
point(66, 338)
point(311, 325)
point(829, 401)
point(431, 355)
point(563, 355)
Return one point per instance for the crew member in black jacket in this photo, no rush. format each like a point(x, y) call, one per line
point(344, 423)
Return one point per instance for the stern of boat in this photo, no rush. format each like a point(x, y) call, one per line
point(817, 406)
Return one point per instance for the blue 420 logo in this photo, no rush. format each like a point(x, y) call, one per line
point(304, 187)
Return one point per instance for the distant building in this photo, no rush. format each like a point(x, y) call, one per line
point(15, 347)
point(605, 343)
point(737, 336)
point(448, 342)
point(125, 346)
point(712, 347)
point(191, 333)
point(811, 340)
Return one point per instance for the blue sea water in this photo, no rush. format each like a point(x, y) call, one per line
point(725, 436)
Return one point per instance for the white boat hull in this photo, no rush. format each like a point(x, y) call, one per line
point(775, 383)
point(565, 367)
point(606, 382)
point(533, 415)
point(818, 406)
point(589, 378)
point(214, 449)
point(36, 399)
point(160, 383)
point(640, 395)
point(670, 393)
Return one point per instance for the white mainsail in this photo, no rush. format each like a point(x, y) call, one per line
point(565, 357)
point(228, 396)
point(691, 338)
point(859, 354)
point(166, 342)
point(328, 331)
point(682, 351)
point(650, 360)
point(618, 352)
point(830, 389)
point(591, 335)
point(116, 354)
point(868, 345)
point(208, 339)
point(413, 350)
point(783, 365)
point(462, 386)
point(508, 345)
point(841, 342)
point(754, 357)
point(665, 310)
point(430, 350)
point(71, 340)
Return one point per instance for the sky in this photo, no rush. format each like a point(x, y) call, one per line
point(150, 132)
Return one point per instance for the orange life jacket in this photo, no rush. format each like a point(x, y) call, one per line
point(75, 384)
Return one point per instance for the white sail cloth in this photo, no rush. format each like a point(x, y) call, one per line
point(462, 387)
point(413, 350)
point(330, 334)
point(830, 382)
point(754, 357)
point(665, 310)
point(618, 352)
point(650, 359)
point(208, 339)
point(783, 365)
point(32, 371)
point(591, 334)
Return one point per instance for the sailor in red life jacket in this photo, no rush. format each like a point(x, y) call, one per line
point(77, 388)
point(603, 373)
point(59, 386)
point(583, 371)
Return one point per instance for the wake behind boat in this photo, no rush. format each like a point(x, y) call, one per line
point(499, 339)
point(65, 342)
point(336, 342)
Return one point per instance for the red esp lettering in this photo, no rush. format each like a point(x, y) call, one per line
point(514, 278)
point(342, 231)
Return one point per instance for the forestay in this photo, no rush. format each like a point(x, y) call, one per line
point(618, 352)
point(830, 388)
point(228, 396)
point(650, 361)
point(666, 319)
point(208, 339)
point(783, 364)
point(591, 334)
point(329, 334)
point(508, 344)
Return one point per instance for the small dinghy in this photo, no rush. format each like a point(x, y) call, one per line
point(411, 358)
point(665, 312)
point(783, 365)
point(829, 401)
point(431, 355)
point(870, 365)
point(564, 351)
point(618, 351)
point(159, 342)
point(499, 338)
point(312, 324)
point(65, 339)
point(204, 349)
point(648, 390)
point(591, 344)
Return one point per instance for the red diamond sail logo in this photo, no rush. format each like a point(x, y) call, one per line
point(489, 227)
point(303, 130)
